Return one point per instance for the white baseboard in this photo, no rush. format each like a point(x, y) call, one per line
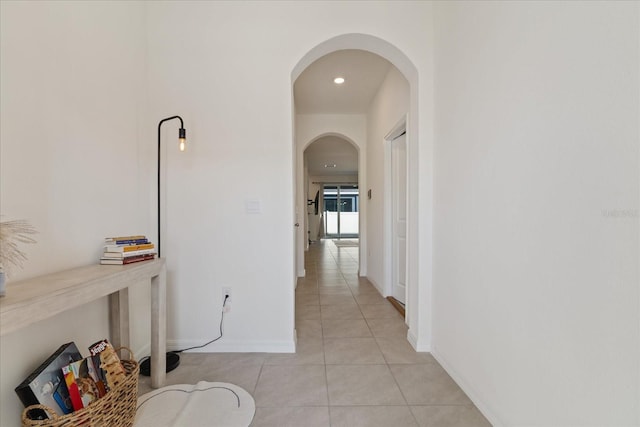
point(415, 343)
point(469, 390)
point(413, 340)
point(228, 346)
point(144, 351)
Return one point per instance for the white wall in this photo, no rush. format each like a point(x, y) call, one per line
point(389, 107)
point(72, 85)
point(536, 209)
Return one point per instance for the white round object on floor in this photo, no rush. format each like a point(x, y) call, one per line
point(202, 405)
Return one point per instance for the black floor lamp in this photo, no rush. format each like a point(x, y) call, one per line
point(173, 358)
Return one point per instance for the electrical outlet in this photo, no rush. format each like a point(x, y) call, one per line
point(226, 299)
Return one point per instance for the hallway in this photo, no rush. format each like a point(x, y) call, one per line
point(353, 366)
point(373, 377)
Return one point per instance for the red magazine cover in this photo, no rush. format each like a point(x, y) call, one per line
point(74, 393)
point(85, 378)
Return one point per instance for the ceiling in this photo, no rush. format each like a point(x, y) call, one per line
point(316, 93)
point(327, 151)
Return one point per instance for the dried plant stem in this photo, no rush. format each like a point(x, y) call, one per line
point(12, 233)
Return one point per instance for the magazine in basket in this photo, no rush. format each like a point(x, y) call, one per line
point(46, 384)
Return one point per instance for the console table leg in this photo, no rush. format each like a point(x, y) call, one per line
point(158, 329)
point(119, 319)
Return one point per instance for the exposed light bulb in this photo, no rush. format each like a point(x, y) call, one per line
point(182, 135)
point(338, 80)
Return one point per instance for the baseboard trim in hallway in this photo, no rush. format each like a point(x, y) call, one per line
point(397, 304)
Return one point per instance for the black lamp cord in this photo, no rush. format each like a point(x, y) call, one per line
point(224, 303)
point(215, 339)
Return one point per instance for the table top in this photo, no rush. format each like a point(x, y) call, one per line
point(31, 300)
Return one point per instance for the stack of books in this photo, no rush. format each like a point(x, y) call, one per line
point(127, 249)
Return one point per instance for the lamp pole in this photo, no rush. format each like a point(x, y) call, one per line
point(172, 357)
point(182, 134)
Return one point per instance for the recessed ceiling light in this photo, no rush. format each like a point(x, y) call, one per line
point(338, 80)
point(330, 165)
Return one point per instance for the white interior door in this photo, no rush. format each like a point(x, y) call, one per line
point(399, 217)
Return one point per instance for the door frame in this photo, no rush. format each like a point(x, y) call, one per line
point(398, 129)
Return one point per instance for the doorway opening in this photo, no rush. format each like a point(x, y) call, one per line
point(341, 211)
point(375, 247)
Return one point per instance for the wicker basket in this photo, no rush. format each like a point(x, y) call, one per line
point(117, 408)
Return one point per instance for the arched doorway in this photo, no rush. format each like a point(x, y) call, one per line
point(416, 317)
point(331, 165)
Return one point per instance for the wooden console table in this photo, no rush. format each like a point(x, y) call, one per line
point(33, 300)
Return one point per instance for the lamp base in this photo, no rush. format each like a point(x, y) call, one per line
point(173, 361)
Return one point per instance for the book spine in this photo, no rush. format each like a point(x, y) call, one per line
point(94, 353)
point(120, 255)
point(72, 387)
point(128, 248)
point(126, 260)
point(135, 237)
point(138, 259)
point(127, 242)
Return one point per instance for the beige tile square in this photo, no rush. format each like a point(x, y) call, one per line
point(292, 417)
point(372, 416)
point(359, 281)
point(335, 290)
point(309, 351)
point(345, 328)
point(291, 386)
point(308, 328)
point(389, 327)
point(449, 416)
point(349, 272)
point(398, 350)
point(330, 274)
point(307, 299)
point(379, 311)
point(337, 299)
point(307, 289)
point(309, 279)
point(332, 282)
point(325, 266)
point(308, 312)
point(358, 288)
point(366, 296)
point(241, 369)
point(428, 384)
point(329, 312)
point(369, 297)
point(362, 385)
point(352, 351)
point(221, 359)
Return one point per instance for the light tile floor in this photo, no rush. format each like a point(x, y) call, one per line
point(353, 365)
